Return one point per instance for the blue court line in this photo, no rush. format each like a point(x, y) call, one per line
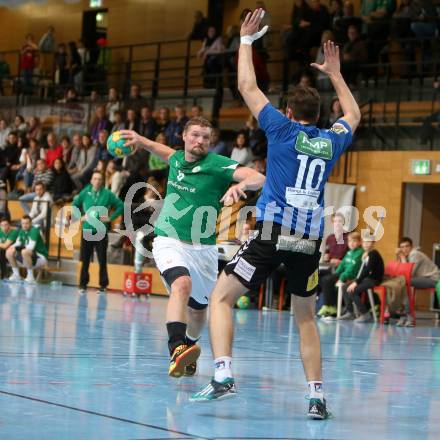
point(94, 413)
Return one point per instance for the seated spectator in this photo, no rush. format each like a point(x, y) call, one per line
point(354, 54)
point(370, 274)
point(101, 147)
point(241, 152)
point(20, 126)
point(232, 44)
point(28, 160)
point(67, 149)
point(257, 137)
point(336, 244)
point(163, 118)
point(174, 130)
point(54, 150)
point(41, 174)
point(114, 178)
point(147, 124)
point(101, 122)
point(336, 12)
point(135, 100)
point(118, 121)
point(200, 27)
point(216, 145)
point(113, 103)
point(323, 83)
point(346, 272)
point(4, 133)
point(406, 12)
point(7, 238)
point(86, 162)
point(62, 182)
point(210, 52)
point(196, 111)
point(131, 121)
point(425, 24)
point(76, 149)
point(10, 161)
point(158, 168)
point(34, 129)
point(40, 205)
point(377, 16)
point(259, 164)
point(340, 26)
point(425, 274)
point(329, 117)
point(28, 251)
point(70, 96)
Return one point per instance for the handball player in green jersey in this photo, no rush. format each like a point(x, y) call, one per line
point(185, 244)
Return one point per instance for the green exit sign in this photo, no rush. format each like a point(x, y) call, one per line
point(421, 167)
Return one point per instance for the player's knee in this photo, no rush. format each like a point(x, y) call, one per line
point(26, 252)
point(220, 296)
point(10, 252)
point(182, 286)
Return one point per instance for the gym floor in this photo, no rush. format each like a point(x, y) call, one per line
point(95, 366)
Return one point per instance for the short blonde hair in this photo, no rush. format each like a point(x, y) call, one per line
point(355, 236)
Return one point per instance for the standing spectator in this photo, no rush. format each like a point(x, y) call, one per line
point(216, 145)
point(34, 129)
point(200, 27)
point(196, 111)
point(61, 65)
point(346, 272)
point(135, 100)
point(75, 66)
point(40, 206)
point(241, 151)
point(28, 251)
point(76, 149)
point(210, 52)
point(86, 162)
point(340, 26)
point(131, 121)
point(62, 182)
point(7, 238)
point(147, 124)
point(113, 103)
point(5, 73)
point(370, 274)
point(27, 62)
point(54, 150)
point(42, 174)
point(4, 133)
point(10, 161)
point(175, 129)
point(101, 122)
point(425, 274)
point(163, 118)
point(118, 122)
point(92, 201)
point(354, 55)
point(28, 159)
point(47, 47)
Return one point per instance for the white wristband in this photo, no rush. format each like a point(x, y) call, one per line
point(246, 39)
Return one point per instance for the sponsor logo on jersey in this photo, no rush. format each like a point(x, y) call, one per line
point(318, 147)
point(339, 128)
point(180, 175)
point(233, 166)
point(197, 169)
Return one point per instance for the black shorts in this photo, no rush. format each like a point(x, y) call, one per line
point(257, 259)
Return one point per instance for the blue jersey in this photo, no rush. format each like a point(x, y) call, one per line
point(299, 161)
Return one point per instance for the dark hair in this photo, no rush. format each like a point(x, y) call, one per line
point(199, 120)
point(244, 12)
point(41, 184)
point(63, 165)
point(304, 102)
point(13, 133)
point(406, 240)
point(20, 117)
point(4, 219)
point(246, 138)
point(26, 217)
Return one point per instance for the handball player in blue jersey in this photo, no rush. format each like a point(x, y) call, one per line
point(290, 210)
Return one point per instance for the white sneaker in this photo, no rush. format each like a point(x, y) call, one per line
point(14, 278)
point(30, 280)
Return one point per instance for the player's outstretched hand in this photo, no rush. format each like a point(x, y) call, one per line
point(233, 195)
point(332, 62)
point(132, 138)
point(251, 25)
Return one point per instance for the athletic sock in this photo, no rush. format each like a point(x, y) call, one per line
point(222, 368)
point(190, 340)
point(30, 275)
point(316, 390)
point(15, 271)
point(176, 335)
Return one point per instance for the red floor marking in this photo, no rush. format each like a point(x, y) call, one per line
point(18, 382)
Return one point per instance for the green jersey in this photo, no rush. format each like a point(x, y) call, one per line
point(350, 264)
point(192, 203)
point(33, 237)
point(11, 235)
point(92, 202)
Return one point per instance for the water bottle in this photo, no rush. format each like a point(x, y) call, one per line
point(56, 285)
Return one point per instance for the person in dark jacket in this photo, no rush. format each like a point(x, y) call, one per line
point(370, 275)
point(62, 182)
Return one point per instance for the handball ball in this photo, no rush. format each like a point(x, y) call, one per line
point(116, 145)
point(243, 302)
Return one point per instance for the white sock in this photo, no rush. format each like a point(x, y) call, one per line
point(222, 368)
point(316, 390)
point(15, 271)
point(192, 338)
point(30, 275)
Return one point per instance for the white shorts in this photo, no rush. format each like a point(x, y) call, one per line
point(41, 261)
point(201, 262)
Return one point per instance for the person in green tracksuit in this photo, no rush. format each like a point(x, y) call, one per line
point(28, 251)
point(346, 271)
point(7, 238)
point(94, 203)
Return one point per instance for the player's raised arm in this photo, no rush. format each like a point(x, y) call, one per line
point(247, 81)
point(132, 138)
point(332, 68)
